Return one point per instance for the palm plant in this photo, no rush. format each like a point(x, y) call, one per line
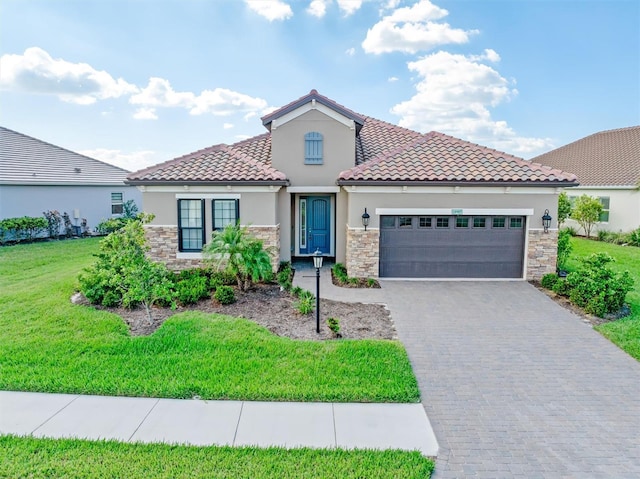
point(235, 250)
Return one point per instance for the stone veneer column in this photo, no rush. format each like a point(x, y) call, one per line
point(270, 236)
point(541, 254)
point(362, 255)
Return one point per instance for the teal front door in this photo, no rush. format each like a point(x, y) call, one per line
point(315, 222)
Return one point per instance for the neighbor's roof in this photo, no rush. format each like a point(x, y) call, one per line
point(383, 153)
point(28, 161)
point(607, 158)
point(436, 157)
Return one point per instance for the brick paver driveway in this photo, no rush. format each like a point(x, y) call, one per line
point(516, 386)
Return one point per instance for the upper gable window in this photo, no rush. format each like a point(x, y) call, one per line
point(313, 148)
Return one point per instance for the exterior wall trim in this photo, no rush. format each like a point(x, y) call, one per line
point(455, 211)
point(207, 196)
point(184, 189)
point(395, 189)
point(313, 189)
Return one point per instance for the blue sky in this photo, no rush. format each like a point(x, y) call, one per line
point(138, 82)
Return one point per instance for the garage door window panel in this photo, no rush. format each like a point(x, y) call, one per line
point(388, 222)
point(515, 223)
point(442, 222)
point(462, 222)
point(425, 222)
point(405, 222)
point(479, 222)
point(499, 222)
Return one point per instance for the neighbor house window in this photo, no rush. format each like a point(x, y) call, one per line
point(117, 200)
point(604, 214)
point(313, 148)
point(225, 212)
point(190, 225)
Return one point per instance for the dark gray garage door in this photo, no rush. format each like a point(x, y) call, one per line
point(451, 246)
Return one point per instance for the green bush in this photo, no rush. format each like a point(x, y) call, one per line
point(340, 273)
point(334, 325)
point(192, 288)
point(304, 305)
point(296, 291)
point(548, 281)
point(596, 287)
point(285, 275)
point(109, 226)
point(23, 228)
point(561, 287)
point(564, 249)
point(634, 237)
point(570, 230)
point(225, 295)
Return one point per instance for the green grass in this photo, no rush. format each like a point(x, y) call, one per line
point(65, 458)
point(624, 332)
point(49, 345)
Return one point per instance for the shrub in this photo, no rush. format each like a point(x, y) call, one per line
point(371, 283)
point(296, 291)
point(304, 304)
point(109, 226)
point(192, 288)
point(596, 287)
point(225, 295)
point(285, 275)
point(22, 228)
point(54, 220)
point(334, 325)
point(561, 287)
point(340, 273)
point(548, 281)
point(586, 211)
point(571, 231)
point(564, 208)
point(634, 237)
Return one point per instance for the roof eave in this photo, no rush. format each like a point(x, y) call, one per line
point(563, 184)
point(208, 183)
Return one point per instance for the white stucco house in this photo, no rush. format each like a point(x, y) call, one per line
point(607, 165)
point(437, 206)
point(36, 176)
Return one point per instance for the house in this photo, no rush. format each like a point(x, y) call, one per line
point(607, 165)
point(437, 206)
point(36, 176)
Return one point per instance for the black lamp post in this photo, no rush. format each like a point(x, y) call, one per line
point(317, 263)
point(365, 219)
point(546, 221)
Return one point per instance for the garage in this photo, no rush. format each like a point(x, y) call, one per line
point(452, 246)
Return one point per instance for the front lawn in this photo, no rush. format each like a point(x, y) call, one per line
point(49, 345)
point(64, 458)
point(624, 332)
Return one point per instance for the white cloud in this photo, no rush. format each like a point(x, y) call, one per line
point(35, 71)
point(412, 29)
point(145, 114)
point(227, 126)
point(350, 51)
point(392, 79)
point(454, 95)
point(318, 8)
point(349, 6)
point(160, 93)
point(134, 161)
point(271, 9)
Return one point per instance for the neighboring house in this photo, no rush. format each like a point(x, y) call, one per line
point(607, 165)
point(36, 176)
point(438, 206)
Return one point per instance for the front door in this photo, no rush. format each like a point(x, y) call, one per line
point(315, 224)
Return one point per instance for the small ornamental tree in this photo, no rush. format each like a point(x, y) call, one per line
point(564, 208)
point(233, 249)
point(586, 211)
point(564, 249)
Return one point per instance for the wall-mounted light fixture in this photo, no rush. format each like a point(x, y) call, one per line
point(546, 221)
point(365, 219)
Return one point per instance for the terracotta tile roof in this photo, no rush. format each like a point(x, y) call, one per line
point(25, 160)
point(437, 157)
point(607, 158)
point(377, 137)
point(246, 161)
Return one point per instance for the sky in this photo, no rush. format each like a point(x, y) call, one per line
point(138, 82)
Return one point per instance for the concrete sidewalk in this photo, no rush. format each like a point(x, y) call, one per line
point(305, 277)
point(230, 423)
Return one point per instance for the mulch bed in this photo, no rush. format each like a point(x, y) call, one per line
point(269, 306)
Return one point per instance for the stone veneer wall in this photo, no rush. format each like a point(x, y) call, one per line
point(164, 245)
point(362, 252)
point(541, 254)
point(270, 236)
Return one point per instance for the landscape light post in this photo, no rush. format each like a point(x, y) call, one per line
point(317, 262)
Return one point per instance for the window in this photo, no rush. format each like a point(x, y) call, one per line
point(499, 222)
point(405, 222)
point(479, 222)
point(313, 148)
point(515, 223)
point(117, 200)
point(303, 224)
point(425, 222)
point(442, 222)
point(462, 222)
point(190, 225)
point(604, 214)
point(387, 221)
point(225, 212)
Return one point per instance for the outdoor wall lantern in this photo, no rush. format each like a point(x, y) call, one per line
point(317, 263)
point(546, 221)
point(365, 219)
